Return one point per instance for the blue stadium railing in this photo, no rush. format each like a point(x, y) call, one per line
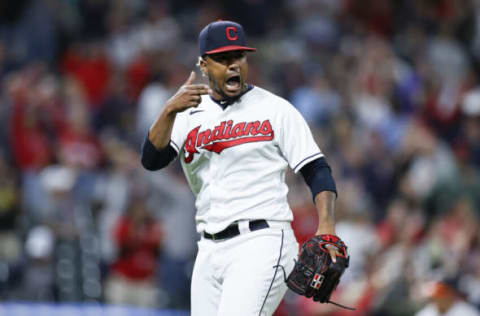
point(80, 309)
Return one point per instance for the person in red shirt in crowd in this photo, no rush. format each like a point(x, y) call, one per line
point(89, 65)
point(138, 236)
point(78, 146)
point(36, 118)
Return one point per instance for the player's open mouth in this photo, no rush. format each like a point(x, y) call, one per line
point(233, 84)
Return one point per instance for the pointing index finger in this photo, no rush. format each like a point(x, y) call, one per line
point(199, 88)
point(333, 254)
point(191, 78)
point(332, 250)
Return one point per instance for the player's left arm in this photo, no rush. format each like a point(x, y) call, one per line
point(324, 202)
point(303, 155)
point(318, 176)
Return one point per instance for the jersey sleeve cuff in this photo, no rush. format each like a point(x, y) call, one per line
point(306, 160)
point(175, 146)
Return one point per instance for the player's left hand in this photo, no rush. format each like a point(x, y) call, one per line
point(333, 250)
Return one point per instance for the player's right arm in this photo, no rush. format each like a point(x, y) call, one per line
point(156, 151)
point(188, 96)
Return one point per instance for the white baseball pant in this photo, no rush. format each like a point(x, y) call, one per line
point(242, 275)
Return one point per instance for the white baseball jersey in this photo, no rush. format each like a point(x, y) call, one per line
point(235, 158)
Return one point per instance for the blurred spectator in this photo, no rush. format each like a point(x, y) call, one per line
point(450, 237)
point(139, 238)
point(138, 73)
point(113, 190)
point(59, 231)
point(471, 125)
point(93, 14)
point(358, 232)
point(4, 66)
point(32, 34)
point(89, 65)
point(57, 182)
point(317, 101)
point(78, 146)
point(116, 110)
point(11, 249)
point(399, 212)
point(9, 212)
point(35, 117)
point(446, 299)
point(158, 31)
point(469, 278)
point(151, 101)
point(39, 277)
point(463, 183)
point(428, 161)
point(177, 211)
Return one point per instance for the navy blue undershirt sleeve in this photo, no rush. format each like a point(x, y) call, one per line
point(318, 176)
point(154, 159)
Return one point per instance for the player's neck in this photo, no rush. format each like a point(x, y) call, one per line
point(224, 100)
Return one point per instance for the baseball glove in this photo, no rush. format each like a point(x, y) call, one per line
point(315, 275)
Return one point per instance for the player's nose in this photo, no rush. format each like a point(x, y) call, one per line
point(233, 60)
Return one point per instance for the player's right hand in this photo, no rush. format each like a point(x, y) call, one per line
point(188, 95)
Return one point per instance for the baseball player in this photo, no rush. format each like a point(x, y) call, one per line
point(235, 141)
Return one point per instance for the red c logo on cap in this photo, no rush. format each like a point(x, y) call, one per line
point(231, 33)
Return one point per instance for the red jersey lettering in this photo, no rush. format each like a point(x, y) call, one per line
point(224, 136)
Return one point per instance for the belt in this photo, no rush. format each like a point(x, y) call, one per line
point(233, 230)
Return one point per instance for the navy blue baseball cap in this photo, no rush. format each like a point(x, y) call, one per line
point(222, 36)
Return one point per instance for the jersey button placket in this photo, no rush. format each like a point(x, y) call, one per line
point(214, 181)
point(216, 168)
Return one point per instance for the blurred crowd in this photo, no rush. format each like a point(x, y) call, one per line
point(391, 90)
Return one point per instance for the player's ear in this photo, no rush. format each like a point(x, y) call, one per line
point(202, 63)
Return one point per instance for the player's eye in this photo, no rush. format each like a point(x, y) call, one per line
point(236, 55)
point(227, 57)
point(216, 58)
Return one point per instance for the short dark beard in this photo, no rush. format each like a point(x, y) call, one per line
point(215, 86)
